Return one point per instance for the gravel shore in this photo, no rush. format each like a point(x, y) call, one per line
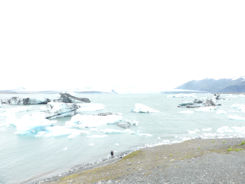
point(195, 161)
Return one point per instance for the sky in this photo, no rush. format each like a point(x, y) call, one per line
point(129, 45)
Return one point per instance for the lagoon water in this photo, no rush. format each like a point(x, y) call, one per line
point(29, 151)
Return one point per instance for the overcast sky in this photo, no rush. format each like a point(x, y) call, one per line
point(128, 45)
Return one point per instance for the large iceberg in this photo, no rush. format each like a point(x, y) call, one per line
point(141, 108)
point(24, 101)
point(30, 124)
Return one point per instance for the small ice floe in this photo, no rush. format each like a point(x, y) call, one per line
point(206, 109)
point(89, 121)
point(195, 131)
point(141, 108)
point(97, 136)
point(60, 131)
point(197, 103)
point(240, 107)
point(207, 129)
point(224, 129)
point(145, 134)
point(186, 112)
point(235, 117)
point(182, 96)
point(88, 107)
point(221, 112)
point(112, 131)
point(127, 123)
point(65, 149)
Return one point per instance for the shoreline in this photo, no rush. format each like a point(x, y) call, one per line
point(143, 164)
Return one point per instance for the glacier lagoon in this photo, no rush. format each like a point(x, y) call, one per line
point(32, 148)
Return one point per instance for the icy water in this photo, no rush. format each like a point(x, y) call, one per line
point(28, 151)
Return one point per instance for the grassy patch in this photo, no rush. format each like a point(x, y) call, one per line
point(242, 143)
point(132, 155)
point(69, 177)
point(234, 149)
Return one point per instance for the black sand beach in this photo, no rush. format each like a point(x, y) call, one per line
point(194, 161)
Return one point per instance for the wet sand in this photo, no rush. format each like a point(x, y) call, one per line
point(195, 161)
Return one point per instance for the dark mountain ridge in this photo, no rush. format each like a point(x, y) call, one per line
point(216, 85)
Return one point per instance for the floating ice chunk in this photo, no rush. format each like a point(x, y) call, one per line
point(58, 109)
point(239, 130)
point(206, 109)
point(58, 131)
point(221, 112)
point(116, 131)
point(112, 131)
point(141, 108)
point(195, 131)
point(186, 112)
point(30, 124)
point(182, 96)
point(97, 136)
point(206, 129)
point(145, 134)
point(89, 121)
point(90, 107)
point(127, 123)
point(240, 107)
point(235, 117)
point(224, 129)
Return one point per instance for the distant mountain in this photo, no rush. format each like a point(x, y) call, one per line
point(27, 92)
point(216, 86)
point(97, 92)
point(7, 92)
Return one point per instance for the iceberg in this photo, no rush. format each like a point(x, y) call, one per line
point(24, 101)
point(127, 124)
point(59, 131)
point(67, 98)
point(30, 124)
point(141, 108)
point(90, 121)
point(59, 110)
point(88, 107)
